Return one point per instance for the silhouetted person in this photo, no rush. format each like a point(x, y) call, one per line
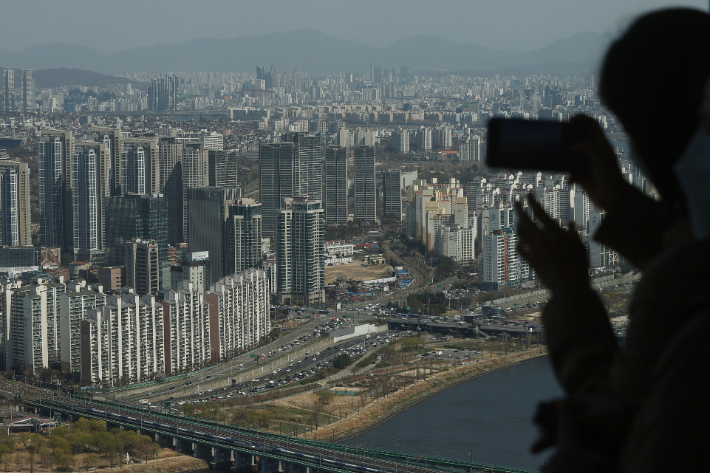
point(623, 412)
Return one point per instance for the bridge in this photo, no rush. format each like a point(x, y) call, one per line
point(240, 449)
point(22, 423)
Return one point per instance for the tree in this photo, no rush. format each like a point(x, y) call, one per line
point(446, 266)
point(341, 361)
point(325, 397)
point(65, 461)
point(241, 417)
point(145, 445)
point(5, 454)
point(91, 460)
point(96, 425)
point(188, 409)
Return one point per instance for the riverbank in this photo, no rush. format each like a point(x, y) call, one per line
point(166, 461)
point(383, 409)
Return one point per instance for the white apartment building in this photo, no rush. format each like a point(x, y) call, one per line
point(501, 263)
point(123, 341)
point(239, 312)
point(300, 257)
point(470, 148)
point(424, 139)
point(74, 306)
point(187, 328)
point(399, 141)
point(32, 328)
point(457, 243)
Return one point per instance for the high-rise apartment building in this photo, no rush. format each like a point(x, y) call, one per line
point(162, 94)
point(123, 342)
point(15, 204)
point(457, 243)
point(424, 138)
point(32, 325)
point(137, 216)
point(132, 169)
point(375, 73)
point(170, 154)
point(210, 230)
point(90, 186)
point(392, 194)
point(336, 185)
point(399, 141)
point(8, 88)
point(296, 81)
point(74, 306)
point(55, 149)
point(28, 96)
point(151, 165)
point(300, 255)
point(470, 148)
point(187, 329)
point(239, 312)
point(222, 169)
point(244, 236)
point(142, 266)
point(365, 189)
point(287, 169)
point(112, 138)
point(502, 265)
point(441, 137)
point(194, 171)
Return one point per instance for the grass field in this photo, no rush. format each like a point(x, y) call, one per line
point(354, 270)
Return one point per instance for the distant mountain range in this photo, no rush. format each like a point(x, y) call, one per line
point(50, 78)
point(315, 52)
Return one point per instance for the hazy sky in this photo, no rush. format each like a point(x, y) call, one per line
point(514, 25)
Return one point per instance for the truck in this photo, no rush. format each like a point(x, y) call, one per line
point(438, 352)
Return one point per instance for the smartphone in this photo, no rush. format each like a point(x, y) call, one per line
point(535, 145)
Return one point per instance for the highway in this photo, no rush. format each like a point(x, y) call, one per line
point(294, 371)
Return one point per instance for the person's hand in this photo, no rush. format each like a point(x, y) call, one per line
point(588, 432)
point(603, 183)
point(558, 256)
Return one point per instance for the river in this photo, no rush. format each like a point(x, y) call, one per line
point(487, 418)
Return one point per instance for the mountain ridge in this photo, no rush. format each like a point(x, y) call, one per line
point(307, 50)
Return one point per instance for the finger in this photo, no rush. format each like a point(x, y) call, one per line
point(540, 213)
point(530, 235)
point(526, 227)
point(524, 251)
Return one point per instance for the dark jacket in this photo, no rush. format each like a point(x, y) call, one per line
point(657, 376)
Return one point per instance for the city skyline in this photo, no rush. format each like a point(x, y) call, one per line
point(530, 25)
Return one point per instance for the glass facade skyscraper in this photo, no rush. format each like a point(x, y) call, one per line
point(138, 216)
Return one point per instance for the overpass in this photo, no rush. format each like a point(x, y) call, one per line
point(465, 330)
point(239, 449)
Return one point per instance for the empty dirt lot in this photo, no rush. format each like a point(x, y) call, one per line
point(355, 271)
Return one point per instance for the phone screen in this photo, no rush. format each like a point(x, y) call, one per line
point(530, 145)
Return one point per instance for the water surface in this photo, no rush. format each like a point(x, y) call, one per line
point(487, 418)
